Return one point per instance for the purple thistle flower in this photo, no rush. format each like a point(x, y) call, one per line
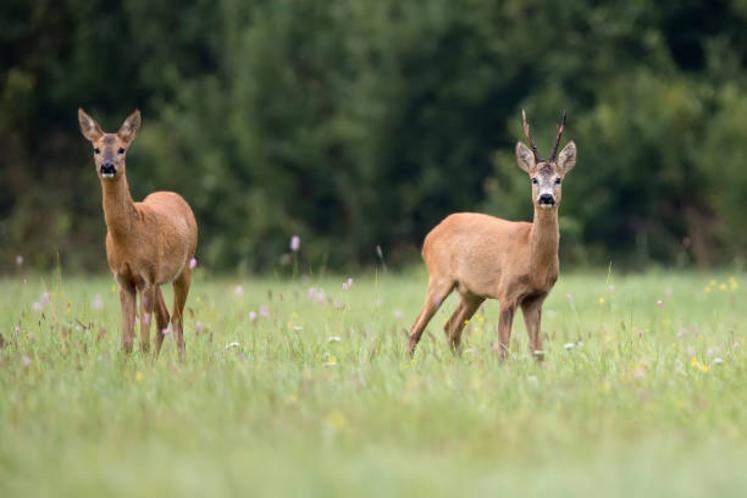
point(264, 311)
point(295, 243)
point(193, 263)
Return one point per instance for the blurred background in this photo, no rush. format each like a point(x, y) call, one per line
point(359, 123)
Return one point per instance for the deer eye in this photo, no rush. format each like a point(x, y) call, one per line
point(96, 150)
point(120, 151)
point(534, 181)
point(557, 181)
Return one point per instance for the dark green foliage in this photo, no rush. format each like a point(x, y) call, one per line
point(358, 123)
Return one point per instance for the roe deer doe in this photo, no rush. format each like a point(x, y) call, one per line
point(148, 243)
point(484, 257)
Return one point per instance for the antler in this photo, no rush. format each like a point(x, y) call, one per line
point(528, 134)
point(561, 127)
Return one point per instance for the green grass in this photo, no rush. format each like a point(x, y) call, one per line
point(650, 401)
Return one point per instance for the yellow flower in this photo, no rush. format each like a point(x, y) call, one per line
point(698, 365)
point(733, 284)
point(600, 300)
point(722, 287)
point(331, 361)
point(139, 376)
point(336, 420)
point(707, 290)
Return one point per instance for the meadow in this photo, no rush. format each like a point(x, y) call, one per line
point(301, 387)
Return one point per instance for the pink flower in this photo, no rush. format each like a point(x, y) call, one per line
point(193, 263)
point(317, 294)
point(45, 298)
point(238, 290)
point(295, 243)
point(97, 303)
point(264, 311)
point(347, 284)
point(252, 316)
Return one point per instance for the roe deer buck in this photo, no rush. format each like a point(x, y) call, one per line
point(148, 243)
point(484, 257)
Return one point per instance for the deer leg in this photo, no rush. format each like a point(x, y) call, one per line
point(532, 309)
point(455, 325)
point(504, 329)
point(435, 295)
point(162, 319)
point(181, 289)
point(147, 305)
point(128, 300)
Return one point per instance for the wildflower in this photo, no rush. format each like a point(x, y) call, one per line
point(238, 291)
point(611, 289)
point(317, 294)
point(45, 298)
point(297, 328)
point(295, 243)
point(569, 345)
point(232, 345)
point(639, 372)
point(600, 300)
point(333, 338)
point(331, 361)
point(347, 284)
point(707, 290)
point(722, 287)
point(192, 263)
point(19, 260)
point(252, 316)
point(569, 296)
point(199, 327)
point(696, 364)
point(659, 303)
point(264, 311)
point(733, 284)
point(336, 420)
point(97, 303)
point(718, 361)
point(26, 360)
point(37, 306)
point(139, 376)
point(397, 314)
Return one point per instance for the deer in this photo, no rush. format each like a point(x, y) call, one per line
point(486, 257)
point(148, 244)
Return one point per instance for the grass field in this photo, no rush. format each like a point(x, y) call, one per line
point(643, 392)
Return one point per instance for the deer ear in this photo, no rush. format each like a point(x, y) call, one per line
point(130, 127)
point(525, 158)
point(88, 126)
point(567, 157)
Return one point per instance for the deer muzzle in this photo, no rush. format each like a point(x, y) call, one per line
point(546, 201)
point(108, 170)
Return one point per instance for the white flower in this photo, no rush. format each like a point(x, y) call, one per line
point(333, 338)
point(232, 345)
point(569, 345)
point(252, 316)
point(347, 284)
point(295, 243)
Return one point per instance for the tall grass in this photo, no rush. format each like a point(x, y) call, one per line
point(642, 392)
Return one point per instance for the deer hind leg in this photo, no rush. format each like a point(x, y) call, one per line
point(128, 300)
point(464, 312)
point(437, 292)
point(532, 309)
point(181, 289)
point(162, 319)
point(147, 305)
point(505, 322)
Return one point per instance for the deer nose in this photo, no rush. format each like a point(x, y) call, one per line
point(108, 169)
point(547, 199)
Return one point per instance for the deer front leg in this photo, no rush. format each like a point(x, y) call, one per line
point(147, 305)
point(532, 308)
point(504, 329)
point(435, 295)
point(128, 300)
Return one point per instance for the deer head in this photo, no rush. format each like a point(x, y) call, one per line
point(109, 149)
point(546, 176)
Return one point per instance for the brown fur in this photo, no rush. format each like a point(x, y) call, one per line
point(148, 243)
point(484, 257)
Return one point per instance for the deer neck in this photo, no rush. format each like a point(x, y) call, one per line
point(545, 238)
point(119, 208)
